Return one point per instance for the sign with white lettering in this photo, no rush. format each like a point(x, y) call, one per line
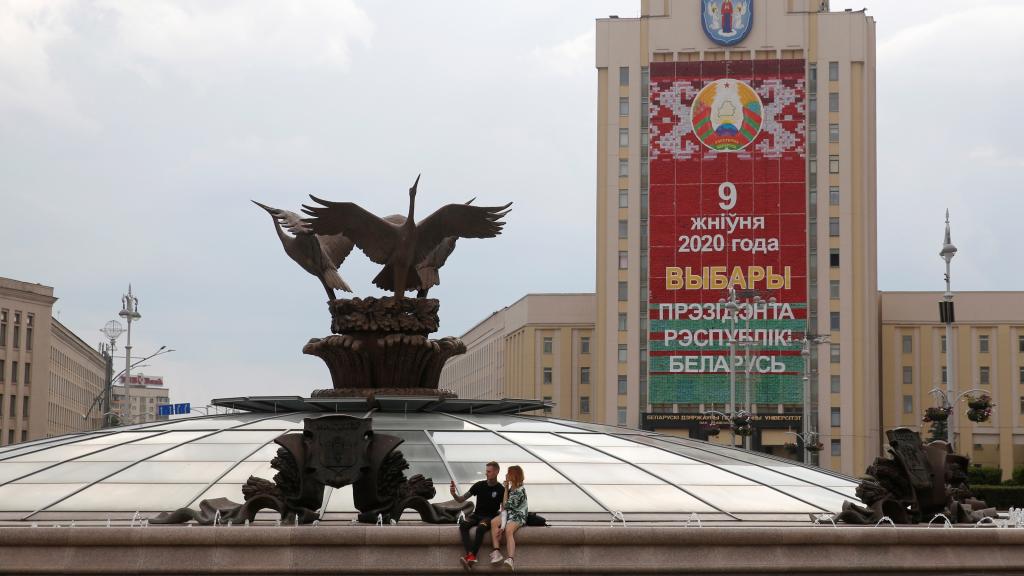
point(727, 209)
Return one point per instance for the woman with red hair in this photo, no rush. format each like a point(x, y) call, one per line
point(514, 509)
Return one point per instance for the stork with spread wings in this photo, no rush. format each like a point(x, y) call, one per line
point(400, 247)
point(318, 254)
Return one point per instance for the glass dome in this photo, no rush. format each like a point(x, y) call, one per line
point(574, 471)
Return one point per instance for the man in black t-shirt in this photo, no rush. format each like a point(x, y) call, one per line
point(489, 494)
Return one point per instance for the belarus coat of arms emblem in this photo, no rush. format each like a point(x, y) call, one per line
point(726, 22)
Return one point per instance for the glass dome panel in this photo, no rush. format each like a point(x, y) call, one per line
point(30, 497)
point(75, 471)
point(590, 473)
point(476, 453)
point(559, 498)
point(114, 497)
point(571, 454)
point(12, 470)
point(538, 439)
point(662, 498)
point(600, 440)
point(208, 452)
point(171, 472)
point(747, 499)
point(466, 438)
point(696, 474)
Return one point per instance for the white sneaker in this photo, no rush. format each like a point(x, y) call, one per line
point(509, 564)
point(496, 557)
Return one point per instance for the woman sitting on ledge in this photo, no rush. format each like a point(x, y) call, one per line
point(514, 508)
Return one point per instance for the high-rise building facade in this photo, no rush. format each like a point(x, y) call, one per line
point(137, 401)
point(35, 345)
point(736, 162)
point(539, 347)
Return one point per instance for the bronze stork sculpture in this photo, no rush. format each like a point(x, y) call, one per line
point(318, 254)
point(401, 247)
point(427, 270)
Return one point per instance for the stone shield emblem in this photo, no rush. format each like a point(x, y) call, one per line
point(726, 22)
point(337, 448)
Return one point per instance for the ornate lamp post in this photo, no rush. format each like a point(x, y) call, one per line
point(130, 312)
point(947, 317)
point(112, 330)
point(805, 352)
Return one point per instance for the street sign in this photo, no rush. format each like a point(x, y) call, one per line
point(169, 409)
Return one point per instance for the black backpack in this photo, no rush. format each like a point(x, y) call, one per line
point(534, 519)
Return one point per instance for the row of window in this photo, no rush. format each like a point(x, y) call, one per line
point(984, 377)
point(27, 370)
point(12, 406)
point(16, 333)
point(549, 375)
point(548, 344)
point(10, 436)
point(983, 344)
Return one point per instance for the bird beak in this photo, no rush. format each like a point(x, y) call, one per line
point(265, 207)
point(414, 185)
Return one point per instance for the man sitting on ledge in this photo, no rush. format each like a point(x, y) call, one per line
point(489, 494)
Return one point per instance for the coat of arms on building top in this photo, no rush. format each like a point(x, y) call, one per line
point(726, 22)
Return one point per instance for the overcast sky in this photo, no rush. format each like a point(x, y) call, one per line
point(133, 134)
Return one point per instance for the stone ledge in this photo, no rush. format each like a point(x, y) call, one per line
point(552, 550)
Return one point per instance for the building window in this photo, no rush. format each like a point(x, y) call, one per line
point(3, 371)
point(833, 101)
point(14, 371)
point(833, 132)
point(17, 336)
point(622, 384)
point(624, 76)
point(547, 402)
point(983, 344)
point(623, 259)
point(623, 229)
point(549, 344)
point(584, 404)
point(1020, 344)
point(836, 418)
point(983, 375)
point(833, 195)
point(12, 406)
point(624, 106)
point(623, 198)
point(24, 406)
point(908, 404)
point(3, 328)
point(622, 321)
point(547, 376)
point(28, 373)
point(833, 71)
point(623, 353)
point(943, 374)
point(833, 257)
point(908, 374)
point(833, 321)
point(623, 167)
point(942, 344)
point(585, 345)
point(10, 437)
point(623, 137)
point(622, 416)
point(812, 109)
point(833, 353)
point(833, 289)
point(24, 435)
point(623, 291)
point(833, 226)
point(837, 448)
point(584, 375)
point(1020, 376)
point(833, 164)
point(834, 384)
point(908, 344)
point(812, 142)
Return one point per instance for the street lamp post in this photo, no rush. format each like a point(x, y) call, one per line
point(130, 312)
point(112, 330)
point(731, 306)
point(805, 351)
point(947, 317)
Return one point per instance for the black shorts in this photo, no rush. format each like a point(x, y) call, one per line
point(484, 522)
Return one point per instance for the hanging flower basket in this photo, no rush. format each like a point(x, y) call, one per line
point(979, 414)
point(790, 447)
point(815, 447)
point(741, 424)
point(936, 414)
point(980, 402)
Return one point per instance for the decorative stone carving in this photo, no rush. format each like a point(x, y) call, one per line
point(336, 450)
point(914, 484)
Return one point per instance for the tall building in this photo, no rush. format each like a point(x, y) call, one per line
point(538, 347)
point(33, 343)
point(988, 357)
point(136, 401)
point(717, 169)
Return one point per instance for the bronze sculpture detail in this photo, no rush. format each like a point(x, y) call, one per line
point(318, 254)
point(336, 451)
point(915, 484)
point(401, 247)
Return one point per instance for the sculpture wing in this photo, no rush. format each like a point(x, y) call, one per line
point(373, 235)
point(336, 248)
point(290, 221)
point(459, 221)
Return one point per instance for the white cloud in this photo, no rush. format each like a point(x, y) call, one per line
point(29, 30)
point(207, 42)
point(573, 57)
